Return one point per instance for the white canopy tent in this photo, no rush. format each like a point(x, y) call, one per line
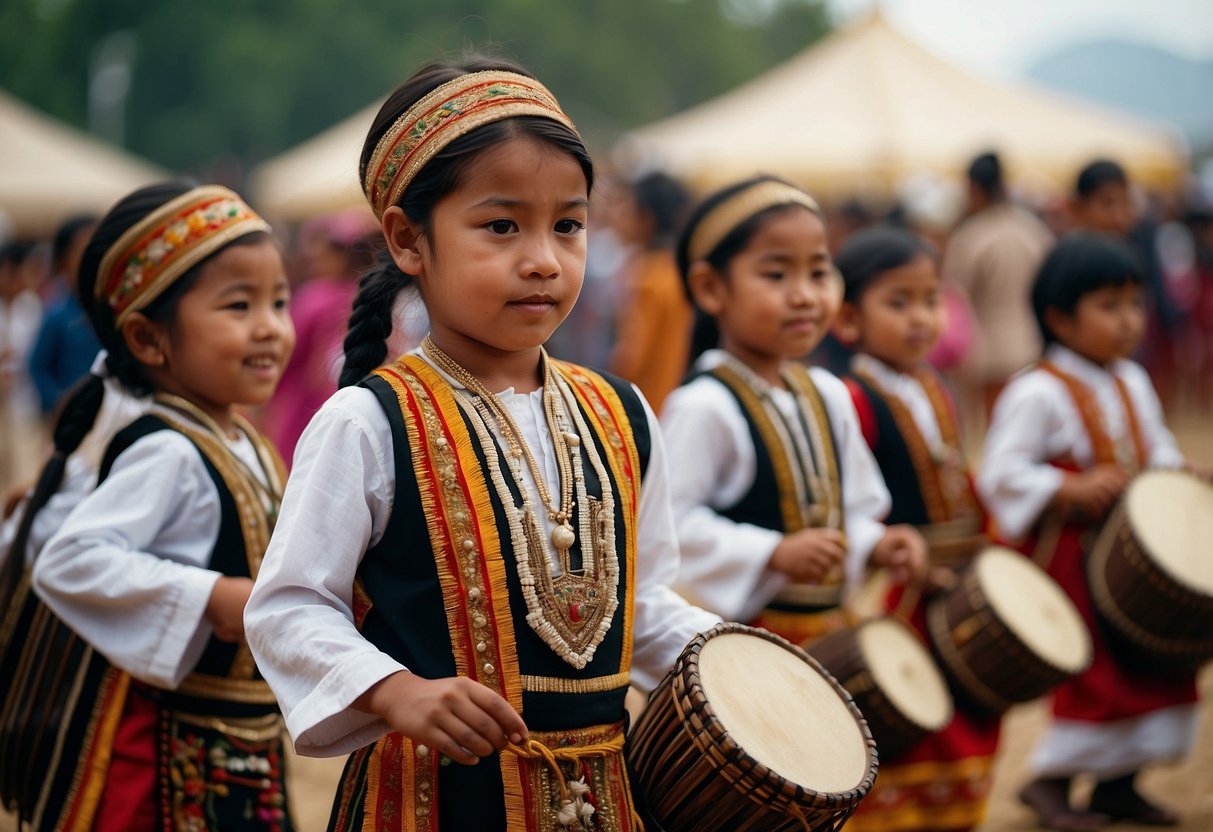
point(49, 170)
point(316, 177)
point(867, 107)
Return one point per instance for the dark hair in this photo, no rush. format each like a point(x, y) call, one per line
point(870, 252)
point(705, 334)
point(1097, 174)
point(1079, 264)
point(66, 234)
point(985, 172)
point(664, 199)
point(81, 406)
point(15, 252)
point(371, 317)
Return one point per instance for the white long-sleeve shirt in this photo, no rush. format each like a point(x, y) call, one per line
point(128, 568)
point(300, 620)
point(713, 464)
point(1035, 420)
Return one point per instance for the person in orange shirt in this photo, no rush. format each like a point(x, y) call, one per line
point(653, 320)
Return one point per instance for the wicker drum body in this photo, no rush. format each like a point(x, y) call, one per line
point(1006, 633)
point(1150, 571)
point(691, 772)
point(893, 679)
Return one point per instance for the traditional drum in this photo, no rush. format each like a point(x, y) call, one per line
point(748, 733)
point(1006, 633)
point(893, 679)
point(1151, 570)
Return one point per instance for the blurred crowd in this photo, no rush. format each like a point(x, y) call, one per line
point(634, 319)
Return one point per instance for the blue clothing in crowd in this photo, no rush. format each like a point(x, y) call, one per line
point(64, 351)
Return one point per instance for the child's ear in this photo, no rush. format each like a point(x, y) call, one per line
point(405, 241)
point(1060, 324)
point(847, 328)
point(146, 340)
point(708, 287)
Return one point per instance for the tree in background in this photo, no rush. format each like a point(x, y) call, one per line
point(213, 87)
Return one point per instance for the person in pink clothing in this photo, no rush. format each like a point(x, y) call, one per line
point(333, 251)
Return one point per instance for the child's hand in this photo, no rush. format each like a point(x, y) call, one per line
point(1091, 493)
point(807, 555)
point(902, 551)
point(457, 717)
point(225, 609)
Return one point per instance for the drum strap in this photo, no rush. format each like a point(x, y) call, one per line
point(1103, 446)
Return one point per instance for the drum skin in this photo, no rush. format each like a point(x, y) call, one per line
point(987, 663)
point(690, 774)
point(894, 731)
point(1148, 611)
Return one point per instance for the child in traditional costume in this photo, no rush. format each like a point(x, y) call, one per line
point(1066, 436)
point(891, 317)
point(476, 540)
point(149, 713)
point(778, 500)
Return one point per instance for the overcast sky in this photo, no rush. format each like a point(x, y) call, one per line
point(1002, 37)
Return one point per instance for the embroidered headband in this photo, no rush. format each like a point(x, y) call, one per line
point(451, 110)
point(732, 212)
point(155, 252)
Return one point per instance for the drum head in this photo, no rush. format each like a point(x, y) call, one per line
point(1171, 514)
point(783, 712)
point(1034, 608)
point(905, 672)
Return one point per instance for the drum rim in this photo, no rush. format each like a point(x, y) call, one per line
point(1121, 511)
point(715, 734)
point(926, 649)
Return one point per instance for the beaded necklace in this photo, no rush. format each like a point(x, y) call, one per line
point(572, 611)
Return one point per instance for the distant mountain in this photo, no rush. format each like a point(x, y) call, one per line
point(1139, 78)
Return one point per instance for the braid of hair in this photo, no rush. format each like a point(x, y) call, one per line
point(76, 419)
point(370, 326)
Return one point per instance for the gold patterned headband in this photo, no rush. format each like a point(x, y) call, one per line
point(155, 252)
point(451, 110)
point(732, 212)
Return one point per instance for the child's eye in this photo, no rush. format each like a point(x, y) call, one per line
point(281, 303)
point(501, 226)
point(569, 226)
point(773, 275)
point(239, 305)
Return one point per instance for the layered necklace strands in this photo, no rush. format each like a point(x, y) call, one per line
point(818, 498)
point(572, 611)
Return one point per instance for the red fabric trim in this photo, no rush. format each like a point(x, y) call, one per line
point(867, 415)
point(129, 800)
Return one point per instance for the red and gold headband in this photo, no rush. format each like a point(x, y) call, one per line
point(451, 110)
point(732, 212)
point(155, 252)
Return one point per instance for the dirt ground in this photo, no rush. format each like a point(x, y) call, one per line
point(1186, 786)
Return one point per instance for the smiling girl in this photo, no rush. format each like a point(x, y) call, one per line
point(475, 543)
point(165, 722)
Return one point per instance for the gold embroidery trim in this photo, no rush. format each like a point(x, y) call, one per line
point(227, 689)
point(788, 509)
point(803, 384)
point(556, 684)
point(255, 729)
point(459, 511)
point(1103, 447)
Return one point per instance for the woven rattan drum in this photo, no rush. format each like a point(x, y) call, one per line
point(1151, 569)
point(1006, 633)
point(748, 733)
point(893, 678)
